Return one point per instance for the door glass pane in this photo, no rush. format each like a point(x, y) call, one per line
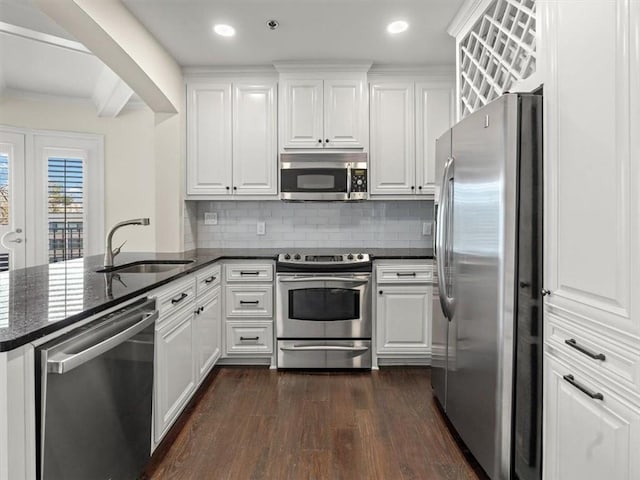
point(4, 207)
point(65, 208)
point(324, 304)
point(314, 180)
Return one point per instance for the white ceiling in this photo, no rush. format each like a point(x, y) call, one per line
point(309, 30)
point(38, 57)
point(36, 67)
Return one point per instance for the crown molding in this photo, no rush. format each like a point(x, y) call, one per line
point(204, 71)
point(469, 13)
point(445, 70)
point(322, 66)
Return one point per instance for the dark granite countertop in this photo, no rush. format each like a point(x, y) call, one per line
point(37, 301)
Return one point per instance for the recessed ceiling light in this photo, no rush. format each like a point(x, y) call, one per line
point(397, 26)
point(224, 30)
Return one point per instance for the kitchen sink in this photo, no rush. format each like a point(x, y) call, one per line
point(145, 266)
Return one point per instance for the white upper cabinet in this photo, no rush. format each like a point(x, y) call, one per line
point(231, 138)
point(302, 113)
point(323, 111)
point(254, 139)
point(345, 113)
point(406, 119)
point(392, 162)
point(592, 163)
point(209, 139)
point(434, 116)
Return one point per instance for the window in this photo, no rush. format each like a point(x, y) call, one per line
point(51, 196)
point(65, 208)
point(4, 205)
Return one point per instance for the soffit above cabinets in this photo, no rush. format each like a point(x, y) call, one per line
point(309, 30)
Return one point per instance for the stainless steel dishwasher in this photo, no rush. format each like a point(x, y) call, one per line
point(95, 397)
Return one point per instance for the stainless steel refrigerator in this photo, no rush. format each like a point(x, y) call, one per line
point(487, 317)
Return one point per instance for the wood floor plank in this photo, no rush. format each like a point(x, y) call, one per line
point(259, 424)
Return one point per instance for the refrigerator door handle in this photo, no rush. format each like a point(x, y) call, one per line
point(443, 246)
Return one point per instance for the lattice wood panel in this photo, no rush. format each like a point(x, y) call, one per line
point(499, 50)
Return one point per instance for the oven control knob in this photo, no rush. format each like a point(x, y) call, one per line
point(296, 256)
point(287, 256)
point(350, 257)
point(360, 257)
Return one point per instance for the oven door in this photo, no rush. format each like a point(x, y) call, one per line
point(324, 306)
point(314, 183)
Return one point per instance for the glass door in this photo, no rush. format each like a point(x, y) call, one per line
point(12, 201)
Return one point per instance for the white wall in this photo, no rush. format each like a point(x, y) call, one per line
point(130, 172)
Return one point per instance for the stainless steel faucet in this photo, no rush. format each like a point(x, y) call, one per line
point(109, 252)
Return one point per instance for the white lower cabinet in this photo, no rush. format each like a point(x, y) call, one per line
point(403, 314)
point(206, 330)
point(587, 438)
point(188, 343)
point(175, 369)
point(403, 311)
point(245, 337)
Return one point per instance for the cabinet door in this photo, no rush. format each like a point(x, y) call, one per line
point(302, 107)
point(584, 438)
point(175, 370)
point(592, 162)
point(403, 316)
point(207, 333)
point(255, 153)
point(209, 139)
point(433, 118)
point(392, 139)
point(344, 114)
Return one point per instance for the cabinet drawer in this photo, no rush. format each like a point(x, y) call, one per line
point(249, 301)
point(175, 296)
point(605, 357)
point(404, 273)
point(249, 338)
point(208, 279)
point(254, 272)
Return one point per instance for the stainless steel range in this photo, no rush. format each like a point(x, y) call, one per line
point(323, 317)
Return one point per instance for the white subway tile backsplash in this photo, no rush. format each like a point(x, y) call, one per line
point(290, 225)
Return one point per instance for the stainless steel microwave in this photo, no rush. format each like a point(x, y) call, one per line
point(323, 176)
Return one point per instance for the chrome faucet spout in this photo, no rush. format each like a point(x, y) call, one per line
point(109, 252)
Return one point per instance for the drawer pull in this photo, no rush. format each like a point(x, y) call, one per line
point(210, 279)
point(249, 273)
point(247, 302)
point(244, 339)
point(179, 298)
point(400, 274)
point(574, 344)
point(583, 389)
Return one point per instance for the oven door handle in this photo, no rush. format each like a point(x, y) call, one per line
point(294, 348)
point(356, 281)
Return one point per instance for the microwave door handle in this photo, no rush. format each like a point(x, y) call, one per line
point(349, 181)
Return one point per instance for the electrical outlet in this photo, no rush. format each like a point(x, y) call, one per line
point(210, 218)
point(426, 228)
point(261, 228)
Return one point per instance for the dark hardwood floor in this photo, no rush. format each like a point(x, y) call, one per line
point(255, 423)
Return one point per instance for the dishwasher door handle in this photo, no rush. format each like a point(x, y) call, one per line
point(69, 357)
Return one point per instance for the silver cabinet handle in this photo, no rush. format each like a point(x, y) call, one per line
point(357, 281)
point(249, 273)
point(587, 391)
point(99, 339)
point(254, 339)
point(322, 348)
point(400, 274)
point(17, 240)
point(574, 344)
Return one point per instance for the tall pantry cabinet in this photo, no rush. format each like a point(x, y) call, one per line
point(591, 72)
